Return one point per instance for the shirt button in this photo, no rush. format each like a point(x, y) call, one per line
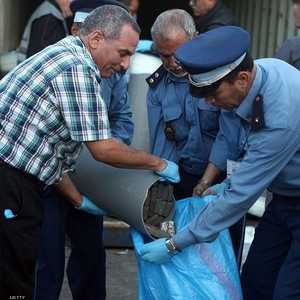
point(151, 80)
point(156, 75)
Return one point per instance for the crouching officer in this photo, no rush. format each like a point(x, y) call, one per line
point(264, 94)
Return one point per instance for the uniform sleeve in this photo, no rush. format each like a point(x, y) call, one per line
point(159, 144)
point(226, 144)
point(119, 112)
point(268, 153)
point(77, 93)
point(45, 31)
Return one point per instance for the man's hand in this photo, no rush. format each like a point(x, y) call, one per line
point(169, 172)
point(215, 189)
point(155, 252)
point(88, 206)
point(200, 188)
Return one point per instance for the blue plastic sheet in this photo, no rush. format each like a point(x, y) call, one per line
point(205, 271)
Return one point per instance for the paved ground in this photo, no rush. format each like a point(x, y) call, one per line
point(121, 276)
point(122, 270)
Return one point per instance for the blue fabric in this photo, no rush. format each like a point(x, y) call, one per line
point(201, 271)
point(272, 268)
point(229, 143)
point(272, 154)
point(86, 265)
point(214, 49)
point(114, 91)
point(144, 46)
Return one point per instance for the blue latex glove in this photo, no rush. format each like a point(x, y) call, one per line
point(170, 172)
point(88, 206)
point(144, 46)
point(8, 214)
point(215, 189)
point(155, 252)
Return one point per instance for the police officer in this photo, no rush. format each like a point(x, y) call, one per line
point(86, 265)
point(264, 94)
point(183, 127)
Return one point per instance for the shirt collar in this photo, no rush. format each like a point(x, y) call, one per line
point(174, 78)
point(245, 108)
point(89, 59)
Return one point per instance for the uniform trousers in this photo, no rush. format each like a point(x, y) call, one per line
point(272, 268)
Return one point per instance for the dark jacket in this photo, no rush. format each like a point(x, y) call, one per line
point(220, 15)
point(45, 31)
point(290, 52)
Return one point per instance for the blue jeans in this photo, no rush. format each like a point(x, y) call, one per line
point(86, 265)
point(272, 268)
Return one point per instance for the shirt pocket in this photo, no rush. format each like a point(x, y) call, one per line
point(175, 126)
point(208, 118)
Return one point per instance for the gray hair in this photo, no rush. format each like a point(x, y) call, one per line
point(110, 19)
point(171, 20)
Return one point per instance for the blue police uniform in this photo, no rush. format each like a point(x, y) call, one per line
point(86, 266)
point(181, 127)
point(269, 116)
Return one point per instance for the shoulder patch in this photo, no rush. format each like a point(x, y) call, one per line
point(155, 78)
point(258, 120)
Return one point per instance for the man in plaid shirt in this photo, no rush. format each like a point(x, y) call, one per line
point(49, 106)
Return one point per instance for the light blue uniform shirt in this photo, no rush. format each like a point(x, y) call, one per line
point(272, 157)
point(194, 123)
point(115, 94)
point(229, 141)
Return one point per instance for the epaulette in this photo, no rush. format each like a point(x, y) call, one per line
point(155, 78)
point(258, 119)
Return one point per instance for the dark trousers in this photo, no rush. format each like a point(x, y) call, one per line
point(19, 236)
point(86, 265)
point(184, 189)
point(272, 268)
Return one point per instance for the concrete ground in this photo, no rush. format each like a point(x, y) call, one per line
point(122, 270)
point(121, 275)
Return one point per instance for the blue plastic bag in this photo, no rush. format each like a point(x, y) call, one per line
point(205, 271)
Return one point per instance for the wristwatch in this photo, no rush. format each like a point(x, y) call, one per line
point(171, 247)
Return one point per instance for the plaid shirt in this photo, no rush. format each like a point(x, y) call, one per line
point(49, 105)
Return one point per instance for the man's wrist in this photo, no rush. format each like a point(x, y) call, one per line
point(172, 249)
point(204, 182)
point(78, 202)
